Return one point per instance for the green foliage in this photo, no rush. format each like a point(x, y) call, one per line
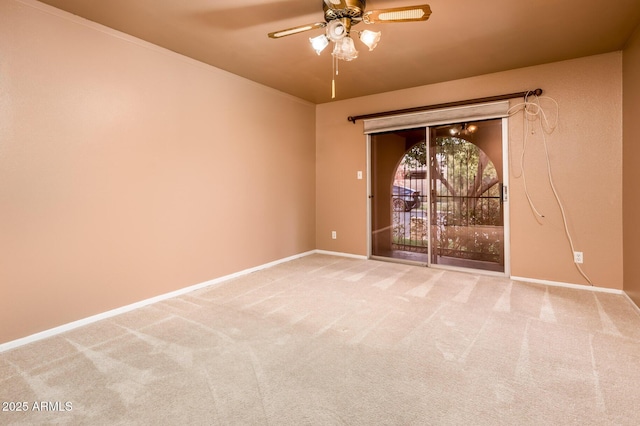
point(416, 157)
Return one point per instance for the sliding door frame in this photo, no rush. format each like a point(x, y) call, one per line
point(494, 110)
point(506, 197)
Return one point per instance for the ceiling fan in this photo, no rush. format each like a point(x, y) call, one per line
point(341, 15)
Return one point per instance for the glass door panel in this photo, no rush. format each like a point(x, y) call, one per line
point(399, 194)
point(467, 211)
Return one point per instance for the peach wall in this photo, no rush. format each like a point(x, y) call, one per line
point(128, 171)
point(585, 151)
point(631, 175)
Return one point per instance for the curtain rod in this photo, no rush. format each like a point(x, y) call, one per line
point(536, 92)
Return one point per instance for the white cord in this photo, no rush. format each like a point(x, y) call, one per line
point(532, 110)
point(525, 125)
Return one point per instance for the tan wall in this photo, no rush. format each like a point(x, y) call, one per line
point(586, 154)
point(631, 175)
point(128, 171)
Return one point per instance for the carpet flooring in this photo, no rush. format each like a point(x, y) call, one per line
point(326, 340)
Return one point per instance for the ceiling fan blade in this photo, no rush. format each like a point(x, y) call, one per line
point(335, 4)
point(398, 14)
point(296, 30)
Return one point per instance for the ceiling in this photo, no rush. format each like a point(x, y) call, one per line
point(462, 38)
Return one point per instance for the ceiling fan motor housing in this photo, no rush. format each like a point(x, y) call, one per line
point(354, 9)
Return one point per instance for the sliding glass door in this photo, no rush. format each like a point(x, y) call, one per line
point(438, 195)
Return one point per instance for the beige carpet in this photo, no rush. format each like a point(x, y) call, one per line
point(328, 341)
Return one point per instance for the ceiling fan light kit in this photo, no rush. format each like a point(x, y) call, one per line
point(341, 15)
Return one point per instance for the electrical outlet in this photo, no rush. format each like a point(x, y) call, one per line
point(578, 257)
point(334, 235)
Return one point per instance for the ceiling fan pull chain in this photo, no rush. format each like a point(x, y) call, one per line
point(333, 77)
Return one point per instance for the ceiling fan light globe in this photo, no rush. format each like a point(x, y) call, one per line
point(345, 49)
point(319, 43)
point(336, 31)
point(370, 38)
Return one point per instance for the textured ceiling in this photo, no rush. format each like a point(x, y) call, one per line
point(462, 38)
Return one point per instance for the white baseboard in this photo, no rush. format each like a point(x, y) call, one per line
point(341, 254)
point(568, 285)
point(118, 311)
